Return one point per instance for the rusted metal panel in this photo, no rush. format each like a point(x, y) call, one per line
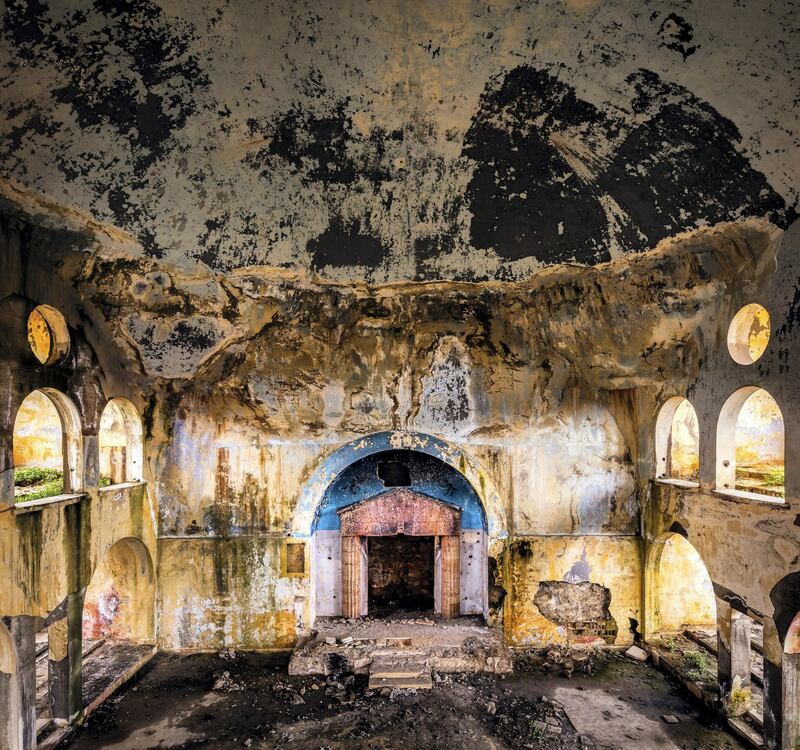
point(401, 511)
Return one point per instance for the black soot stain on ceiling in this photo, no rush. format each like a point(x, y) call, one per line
point(346, 245)
point(557, 179)
point(124, 64)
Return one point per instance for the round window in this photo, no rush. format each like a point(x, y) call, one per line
point(48, 335)
point(748, 334)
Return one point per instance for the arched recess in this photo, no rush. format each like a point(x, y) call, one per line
point(483, 514)
point(750, 445)
point(48, 434)
point(11, 718)
point(119, 604)
point(329, 468)
point(677, 441)
point(121, 442)
point(678, 588)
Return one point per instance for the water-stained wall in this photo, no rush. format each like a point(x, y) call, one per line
point(250, 381)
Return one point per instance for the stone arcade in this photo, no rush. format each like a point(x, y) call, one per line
point(369, 369)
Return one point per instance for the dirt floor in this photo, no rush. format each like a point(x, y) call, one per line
point(247, 700)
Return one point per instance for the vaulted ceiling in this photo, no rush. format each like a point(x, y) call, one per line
point(387, 140)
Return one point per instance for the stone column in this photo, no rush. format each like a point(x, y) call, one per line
point(740, 647)
point(723, 646)
point(733, 636)
point(351, 576)
point(781, 692)
point(451, 574)
point(23, 632)
point(64, 640)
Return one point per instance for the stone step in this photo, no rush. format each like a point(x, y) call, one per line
point(393, 667)
point(400, 671)
point(421, 682)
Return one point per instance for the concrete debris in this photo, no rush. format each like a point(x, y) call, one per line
point(225, 684)
point(636, 653)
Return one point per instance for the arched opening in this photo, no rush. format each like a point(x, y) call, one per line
point(750, 445)
point(394, 566)
point(118, 616)
point(682, 592)
point(121, 445)
point(681, 609)
point(677, 441)
point(11, 713)
point(47, 450)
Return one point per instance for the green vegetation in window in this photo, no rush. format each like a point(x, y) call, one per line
point(775, 478)
point(36, 483)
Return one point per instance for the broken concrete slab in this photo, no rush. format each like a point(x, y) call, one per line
point(636, 653)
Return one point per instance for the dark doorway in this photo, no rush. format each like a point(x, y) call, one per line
point(400, 574)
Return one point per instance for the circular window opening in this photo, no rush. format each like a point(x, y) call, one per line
point(48, 335)
point(748, 334)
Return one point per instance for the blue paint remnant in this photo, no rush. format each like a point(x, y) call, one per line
point(579, 571)
point(429, 475)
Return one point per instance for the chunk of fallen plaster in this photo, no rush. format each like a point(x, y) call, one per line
point(636, 653)
point(670, 719)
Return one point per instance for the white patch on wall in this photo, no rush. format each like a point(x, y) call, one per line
point(446, 407)
point(474, 573)
point(326, 567)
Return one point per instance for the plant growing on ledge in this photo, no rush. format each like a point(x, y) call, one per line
point(775, 478)
point(36, 483)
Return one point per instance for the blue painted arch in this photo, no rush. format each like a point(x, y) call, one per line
point(428, 475)
point(336, 462)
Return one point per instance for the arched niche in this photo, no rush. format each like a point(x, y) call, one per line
point(331, 466)
point(119, 603)
point(750, 445)
point(483, 517)
point(677, 441)
point(121, 442)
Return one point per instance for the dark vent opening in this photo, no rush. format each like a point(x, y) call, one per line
point(394, 474)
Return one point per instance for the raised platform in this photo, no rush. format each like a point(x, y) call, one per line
point(373, 647)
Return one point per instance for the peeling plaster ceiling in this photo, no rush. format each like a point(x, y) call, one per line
point(384, 141)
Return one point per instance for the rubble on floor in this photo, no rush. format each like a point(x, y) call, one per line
point(248, 700)
point(463, 644)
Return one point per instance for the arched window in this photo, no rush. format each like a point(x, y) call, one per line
point(677, 441)
point(750, 444)
point(47, 450)
point(120, 440)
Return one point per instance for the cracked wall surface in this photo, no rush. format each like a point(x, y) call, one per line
point(399, 141)
point(249, 381)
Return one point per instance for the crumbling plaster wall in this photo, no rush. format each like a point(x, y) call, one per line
point(50, 552)
point(394, 141)
point(747, 546)
point(541, 384)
